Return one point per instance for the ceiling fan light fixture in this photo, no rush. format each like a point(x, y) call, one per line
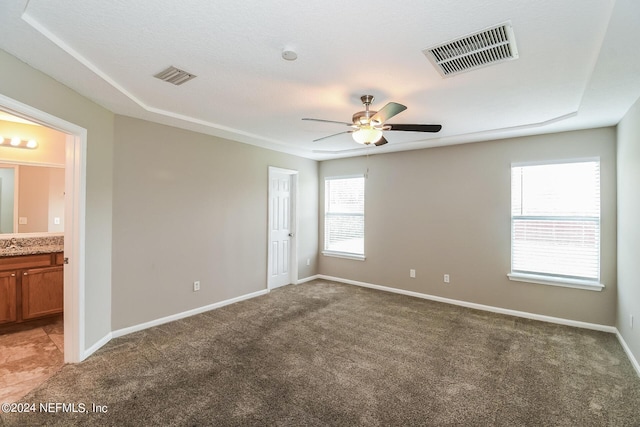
point(367, 135)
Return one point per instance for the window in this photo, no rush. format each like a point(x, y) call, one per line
point(555, 223)
point(344, 216)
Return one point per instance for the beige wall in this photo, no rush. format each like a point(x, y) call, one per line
point(21, 82)
point(629, 228)
point(188, 207)
point(33, 198)
point(56, 200)
point(447, 210)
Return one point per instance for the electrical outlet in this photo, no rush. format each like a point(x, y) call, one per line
point(412, 273)
point(308, 261)
point(196, 286)
point(446, 278)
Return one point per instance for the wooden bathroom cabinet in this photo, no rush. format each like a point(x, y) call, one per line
point(31, 286)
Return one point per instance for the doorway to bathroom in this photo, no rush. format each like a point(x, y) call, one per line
point(72, 219)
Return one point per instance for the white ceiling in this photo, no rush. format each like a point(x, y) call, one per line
point(578, 65)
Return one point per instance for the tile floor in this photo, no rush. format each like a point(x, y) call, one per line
point(29, 355)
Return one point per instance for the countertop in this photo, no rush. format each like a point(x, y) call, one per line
point(31, 245)
point(30, 250)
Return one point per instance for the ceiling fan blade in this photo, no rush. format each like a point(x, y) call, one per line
point(415, 128)
point(330, 136)
point(388, 111)
point(382, 141)
point(328, 121)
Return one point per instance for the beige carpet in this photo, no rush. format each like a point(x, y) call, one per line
point(324, 353)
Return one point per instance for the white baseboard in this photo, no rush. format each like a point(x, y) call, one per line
point(95, 347)
point(549, 319)
point(627, 350)
point(188, 313)
point(307, 279)
point(524, 314)
point(124, 331)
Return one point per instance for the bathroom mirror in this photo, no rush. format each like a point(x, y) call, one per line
point(31, 199)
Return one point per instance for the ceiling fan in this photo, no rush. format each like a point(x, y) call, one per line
point(368, 125)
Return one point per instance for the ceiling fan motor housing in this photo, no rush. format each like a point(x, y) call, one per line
point(363, 117)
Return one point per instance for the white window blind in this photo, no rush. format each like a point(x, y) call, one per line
point(555, 220)
point(344, 215)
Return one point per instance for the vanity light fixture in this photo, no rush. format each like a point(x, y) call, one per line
point(16, 142)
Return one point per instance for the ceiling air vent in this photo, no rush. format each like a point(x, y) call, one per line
point(175, 76)
point(490, 46)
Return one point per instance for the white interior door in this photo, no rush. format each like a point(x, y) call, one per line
point(281, 225)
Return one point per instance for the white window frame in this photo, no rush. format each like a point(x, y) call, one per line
point(549, 279)
point(335, 253)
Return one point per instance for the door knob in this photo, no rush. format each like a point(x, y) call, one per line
point(290, 234)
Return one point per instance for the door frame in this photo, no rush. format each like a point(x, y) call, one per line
point(74, 228)
point(293, 205)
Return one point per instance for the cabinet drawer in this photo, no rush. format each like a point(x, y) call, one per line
point(25, 261)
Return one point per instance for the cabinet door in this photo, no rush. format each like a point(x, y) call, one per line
point(8, 301)
point(42, 292)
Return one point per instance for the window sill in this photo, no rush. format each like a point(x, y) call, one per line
point(345, 255)
point(551, 281)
